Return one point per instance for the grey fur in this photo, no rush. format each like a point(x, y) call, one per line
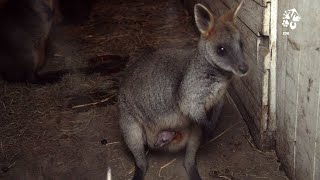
point(175, 89)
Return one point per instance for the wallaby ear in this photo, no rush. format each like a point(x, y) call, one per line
point(204, 19)
point(232, 14)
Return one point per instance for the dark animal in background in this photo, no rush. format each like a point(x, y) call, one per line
point(75, 11)
point(166, 96)
point(24, 33)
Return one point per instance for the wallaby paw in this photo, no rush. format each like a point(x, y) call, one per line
point(138, 174)
point(194, 174)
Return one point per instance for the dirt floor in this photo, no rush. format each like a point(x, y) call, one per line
point(69, 130)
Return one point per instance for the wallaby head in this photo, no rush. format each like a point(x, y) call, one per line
point(220, 41)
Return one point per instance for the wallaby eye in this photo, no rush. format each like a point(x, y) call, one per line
point(221, 51)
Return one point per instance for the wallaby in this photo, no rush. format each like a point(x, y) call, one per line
point(166, 96)
point(24, 33)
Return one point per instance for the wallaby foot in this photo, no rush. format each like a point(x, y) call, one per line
point(194, 174)
point(191, 152)
point(138, 174)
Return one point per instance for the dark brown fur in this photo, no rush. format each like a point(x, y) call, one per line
point(24, 34)
point(74, 11)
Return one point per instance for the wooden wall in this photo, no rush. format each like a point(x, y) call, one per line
point(251, 93)
point(298, 91)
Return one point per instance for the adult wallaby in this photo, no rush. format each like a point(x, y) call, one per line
point(24, 33)
point(169, 93)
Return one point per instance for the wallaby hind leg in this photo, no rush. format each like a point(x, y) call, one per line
point(134, 137)
point(191, 151)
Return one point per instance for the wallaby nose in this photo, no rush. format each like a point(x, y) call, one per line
point(243, 68)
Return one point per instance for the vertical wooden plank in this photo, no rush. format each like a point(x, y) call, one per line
point(307, 45)
point(298, 80)
point(287, 78)
point(316, 174)
point(291, 102)
point(273, 15)
point(307, 114)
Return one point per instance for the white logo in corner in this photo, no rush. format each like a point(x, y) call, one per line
point(290, 19)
